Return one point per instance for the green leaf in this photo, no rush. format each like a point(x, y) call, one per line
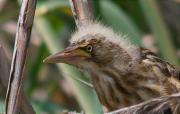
point(159, 30)
point(35, 69)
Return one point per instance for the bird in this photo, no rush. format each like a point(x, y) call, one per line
point(123, 74)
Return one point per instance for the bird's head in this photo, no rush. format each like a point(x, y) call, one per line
point(91, 46)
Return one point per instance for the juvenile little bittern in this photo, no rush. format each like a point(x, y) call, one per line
point(122, 74)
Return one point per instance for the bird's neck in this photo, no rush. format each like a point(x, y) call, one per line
point(125, 60)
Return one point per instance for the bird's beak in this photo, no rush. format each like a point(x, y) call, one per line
point(68, 55)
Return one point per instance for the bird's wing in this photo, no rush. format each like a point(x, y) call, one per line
point(168, 75)
point(151, 59)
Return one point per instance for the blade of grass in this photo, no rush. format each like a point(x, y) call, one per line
point(35, 68)
point(159, 29)
point(115, 17)
point(85, 95)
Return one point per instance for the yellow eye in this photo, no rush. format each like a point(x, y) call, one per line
point(89, 48)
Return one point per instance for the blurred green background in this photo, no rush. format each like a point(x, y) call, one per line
point(154, 24)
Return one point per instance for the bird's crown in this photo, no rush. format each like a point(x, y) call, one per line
point(95, 31)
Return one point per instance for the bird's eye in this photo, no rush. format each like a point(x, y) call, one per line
point(89, 48)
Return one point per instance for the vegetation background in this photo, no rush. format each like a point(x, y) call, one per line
point(154, 24)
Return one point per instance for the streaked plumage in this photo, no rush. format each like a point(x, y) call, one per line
point(122, 74)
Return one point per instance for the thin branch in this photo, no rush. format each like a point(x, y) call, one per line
point(154, 106)
point(82, 11)
point(22, 40)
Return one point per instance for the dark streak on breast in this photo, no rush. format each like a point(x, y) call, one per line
point(98, 88)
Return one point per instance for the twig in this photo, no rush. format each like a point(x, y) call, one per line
point(22, 40)
point(154, 106)
point(82, 11)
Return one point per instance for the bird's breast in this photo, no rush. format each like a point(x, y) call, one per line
point(117, 90)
